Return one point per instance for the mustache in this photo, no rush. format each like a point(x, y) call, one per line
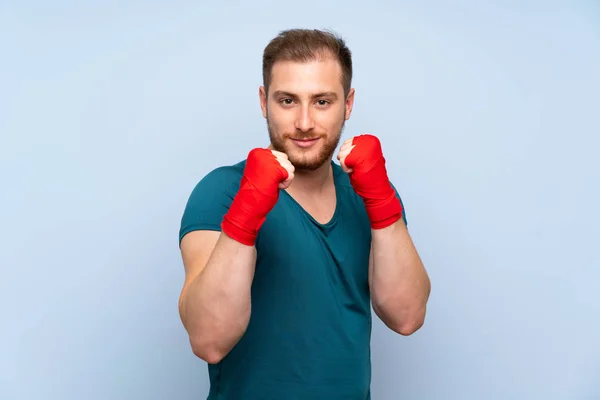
point(304, 136)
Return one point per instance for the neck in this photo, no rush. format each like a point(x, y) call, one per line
point(313, 181)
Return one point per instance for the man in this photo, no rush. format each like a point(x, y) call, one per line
point(285, 251)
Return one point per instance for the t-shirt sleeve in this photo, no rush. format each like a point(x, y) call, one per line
point(402, 203)
point(210, 200)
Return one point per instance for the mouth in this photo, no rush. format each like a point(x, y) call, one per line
point(305, 142)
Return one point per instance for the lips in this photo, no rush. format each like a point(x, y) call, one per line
point(305, 142)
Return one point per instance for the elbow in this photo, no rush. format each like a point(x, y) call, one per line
point(409, 327)
point(402, 321)
point(208, 352)
point(211, 347)
point(212, 344)
point(403, 316)
point(411, 321)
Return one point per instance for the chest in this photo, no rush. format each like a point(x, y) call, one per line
point(297, 252)
point(320, 208)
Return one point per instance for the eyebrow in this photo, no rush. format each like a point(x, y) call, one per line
point(281, 93)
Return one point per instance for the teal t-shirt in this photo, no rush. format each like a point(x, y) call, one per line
point(310, 327)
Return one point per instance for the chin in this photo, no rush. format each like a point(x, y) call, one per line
point(307, 166)
point(306, 162)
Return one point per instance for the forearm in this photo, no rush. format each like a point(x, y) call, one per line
point(399, 282)
point(215, 307)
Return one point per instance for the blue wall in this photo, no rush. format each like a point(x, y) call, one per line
point(110, 112)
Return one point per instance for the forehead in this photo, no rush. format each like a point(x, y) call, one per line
point(307, 77)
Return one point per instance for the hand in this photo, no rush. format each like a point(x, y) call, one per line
point(266, 172)
point(362, 158)
point(283, 160)
point(346, 148)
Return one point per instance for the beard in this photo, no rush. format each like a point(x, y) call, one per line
point(306, 159)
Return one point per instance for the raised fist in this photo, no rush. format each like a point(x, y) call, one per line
point(266, 172)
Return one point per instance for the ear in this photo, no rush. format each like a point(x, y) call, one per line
point(262, 94)
point(349, 104)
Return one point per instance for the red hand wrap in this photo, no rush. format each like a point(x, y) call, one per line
point(370, 180)
point(257, 195)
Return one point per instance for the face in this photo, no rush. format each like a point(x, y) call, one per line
point(306, 110)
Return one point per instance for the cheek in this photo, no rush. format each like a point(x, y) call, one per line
point(332, 120)
point(279, 119)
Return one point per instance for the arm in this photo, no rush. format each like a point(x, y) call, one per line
point(215, 300)
point(398, 280)
point(217, 236)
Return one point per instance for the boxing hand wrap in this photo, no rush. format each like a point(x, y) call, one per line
point(257, 195)
point(370, 180)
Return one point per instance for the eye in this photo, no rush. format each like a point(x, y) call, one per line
point(286, 102)
point(323, 103)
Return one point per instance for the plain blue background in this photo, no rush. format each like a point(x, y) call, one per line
point(489, 113)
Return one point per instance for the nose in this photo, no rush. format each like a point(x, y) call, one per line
point(304, 120)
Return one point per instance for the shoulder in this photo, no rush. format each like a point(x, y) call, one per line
point(211, 198)
point(224, 178)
